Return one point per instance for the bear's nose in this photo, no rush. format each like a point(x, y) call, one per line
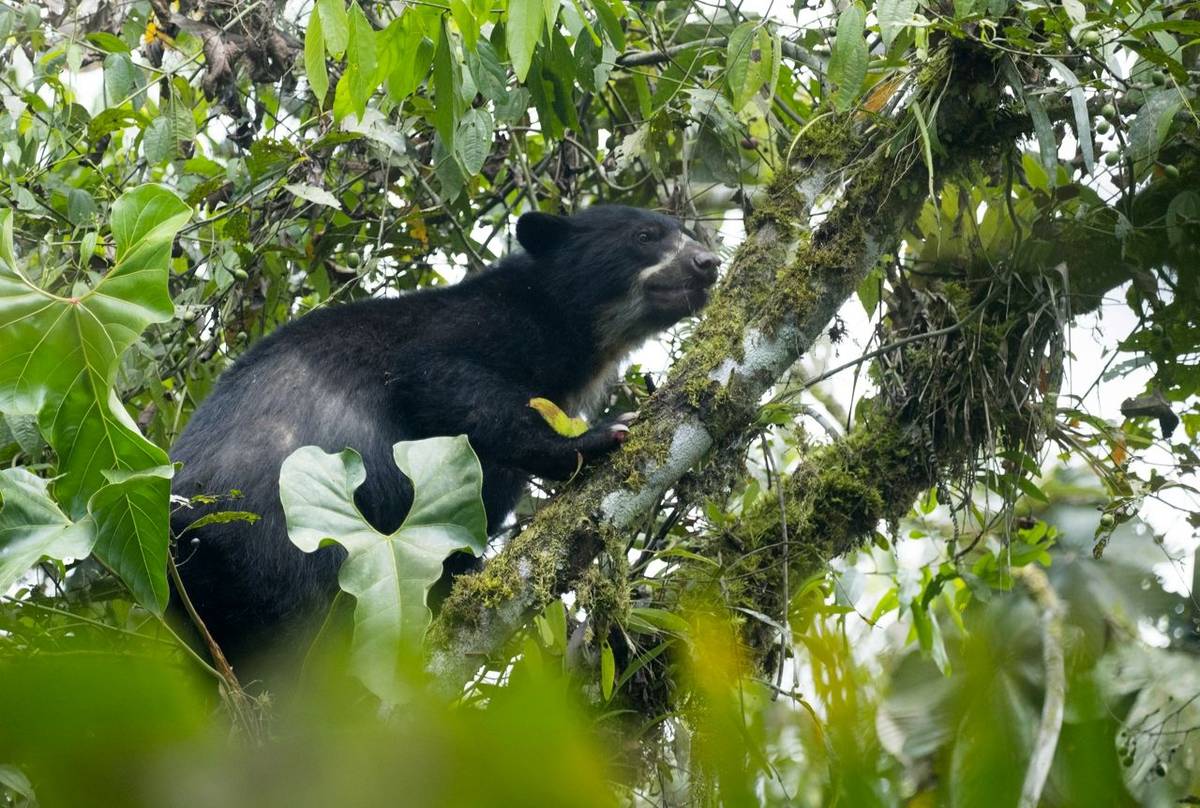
point(706, 265)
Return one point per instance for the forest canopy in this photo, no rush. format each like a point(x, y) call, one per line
point(907, 515)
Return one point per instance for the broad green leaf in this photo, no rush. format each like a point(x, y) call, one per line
point(120, 78)
point(389, 575)
point(752, 62)
point(558, 420)
point(60, 361)
point(848, 62)
point(81, 207)
point(447, 80)
point(132, 531)
point(490, 76)
point(610, 22)
point(410, 56)
point(314, 57)
point(312, 193)
point(1149, 129)
point(101, 39)
point(465, 20)
point(1076, 10)
point(893, 16)
point(158, 141)
point(360, 60)
point(522, 31)
point(473, 141)
point(32, 526)
point(335, 24)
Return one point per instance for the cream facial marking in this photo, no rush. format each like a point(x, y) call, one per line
point(681, 241)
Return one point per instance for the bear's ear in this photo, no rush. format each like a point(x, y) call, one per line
point(539, 233)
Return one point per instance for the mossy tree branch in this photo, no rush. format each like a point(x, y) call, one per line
point(785, 284)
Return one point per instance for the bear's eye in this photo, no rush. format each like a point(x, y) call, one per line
point(644, 237)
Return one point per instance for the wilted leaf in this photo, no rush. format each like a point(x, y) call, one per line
point(558, 420)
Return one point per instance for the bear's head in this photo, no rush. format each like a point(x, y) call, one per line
point(632, 272)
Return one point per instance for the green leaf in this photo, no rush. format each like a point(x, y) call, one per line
point(410, 57)
point(101, 39)
point(360, 60)
point(1083, 118)
point(158, 141)
point(1047, 142)
point(848, 62)
point(335, 24)
point(81, 207)
point(1149, 129)
point(610, 22)
point(447, 80)
point(1076, 10)
point(522, 32)
point(608, 670)
point(558, 420)
point(60, 361)
point(314, 57)
point(32, 526)
point(131, 523)
point(389, 575)
point(893, 16)
point(120, 78)
point(869, 290)
point(659, 619)
point(751, 62)
point(473, 141)
point(468, 26)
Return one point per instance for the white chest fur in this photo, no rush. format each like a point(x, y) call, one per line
point(590, 399)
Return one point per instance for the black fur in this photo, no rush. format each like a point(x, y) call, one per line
point(463, 359)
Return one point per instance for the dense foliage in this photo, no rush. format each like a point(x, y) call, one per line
point(781, 624)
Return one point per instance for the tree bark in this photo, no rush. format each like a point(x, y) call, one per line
point(785, 284)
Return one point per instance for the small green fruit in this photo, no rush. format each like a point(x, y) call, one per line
point(1090, 39)
point(353, 260)
point(242, 336)
point(1108, 520)
point(1172, 171)
point(1112, 158)
point(1103, 128)
point(1109, 112)
point(1158, 78)
point(240, 274)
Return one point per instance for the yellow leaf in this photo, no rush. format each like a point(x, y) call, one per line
point(558, 420)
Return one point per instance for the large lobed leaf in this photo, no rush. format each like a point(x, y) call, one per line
point(60, 360)
point(388, 575)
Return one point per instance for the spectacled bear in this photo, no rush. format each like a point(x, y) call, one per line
point(550, 321)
